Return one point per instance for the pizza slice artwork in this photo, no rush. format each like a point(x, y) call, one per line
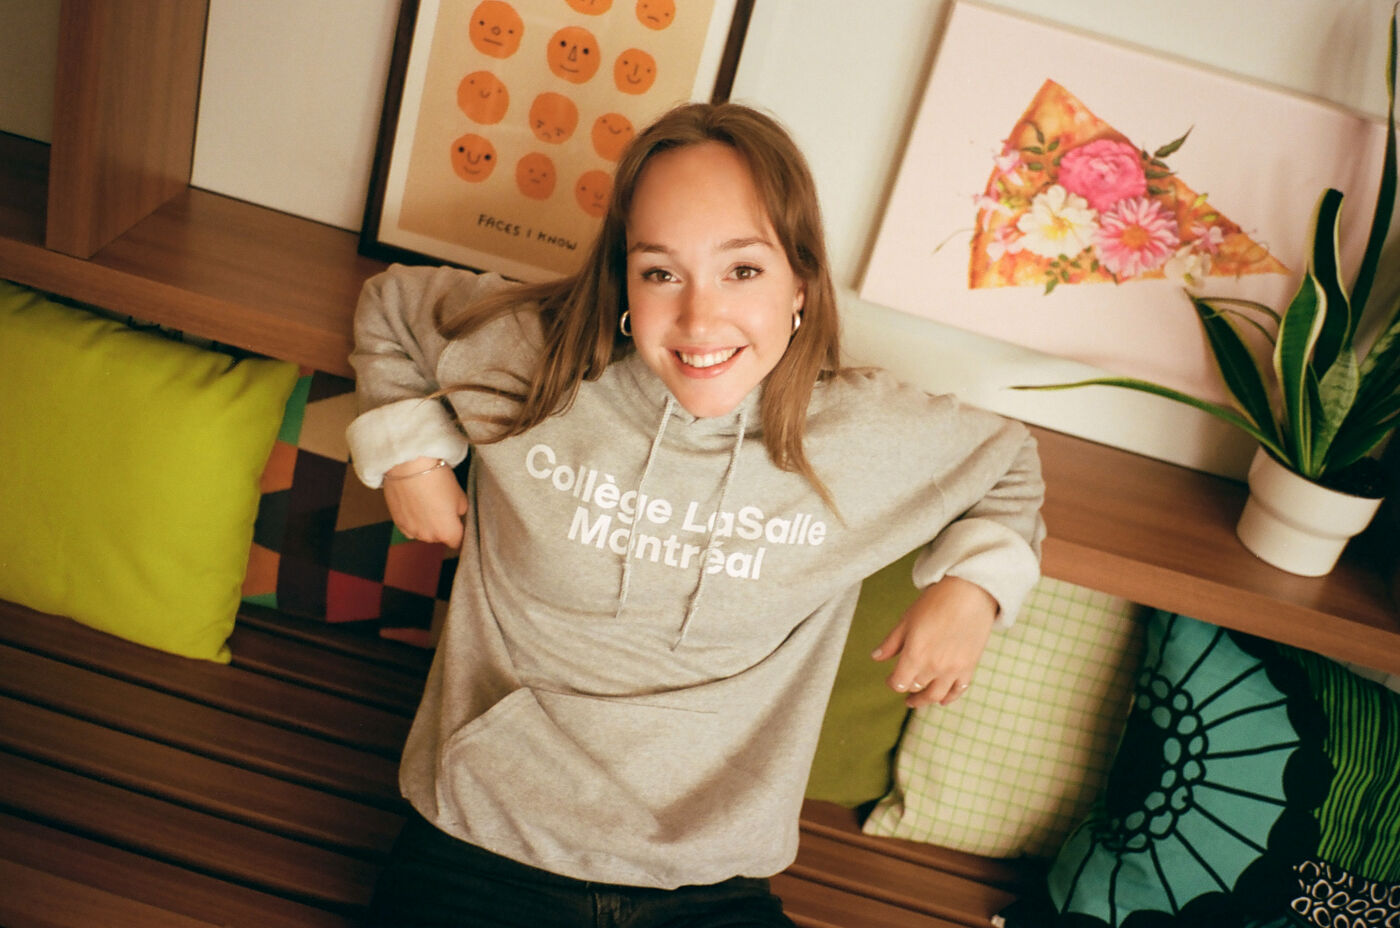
point(1071, 200)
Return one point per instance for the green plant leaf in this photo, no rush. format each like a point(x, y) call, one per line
point(1238, 366)
point(1337, 326)
point(1336, 393)
point(1233, 307)
point(1385, 198)
point(1223, 413)
point(1221, 302)
point(1380, 371)
point(1358, 439)
point(1297, 335)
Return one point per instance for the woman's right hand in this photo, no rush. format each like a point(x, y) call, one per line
point(429, 506)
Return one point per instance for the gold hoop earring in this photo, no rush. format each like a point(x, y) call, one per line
point(796, 322)
point(624, 324)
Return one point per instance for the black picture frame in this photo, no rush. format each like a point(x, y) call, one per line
point(378, 242)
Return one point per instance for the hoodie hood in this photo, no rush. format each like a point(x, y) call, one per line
point(651, 396)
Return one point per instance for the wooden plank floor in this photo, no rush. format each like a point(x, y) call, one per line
point(142, 789)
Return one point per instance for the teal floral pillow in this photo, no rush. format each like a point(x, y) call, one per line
point(1255, 784)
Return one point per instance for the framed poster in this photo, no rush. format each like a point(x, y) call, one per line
point(1061, 194)
point(504, 119)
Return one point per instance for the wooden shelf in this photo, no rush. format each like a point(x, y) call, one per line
point(206, 264)
point(1164, 536)
point(1130, 526)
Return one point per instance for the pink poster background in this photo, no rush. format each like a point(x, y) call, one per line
point(1261, 155)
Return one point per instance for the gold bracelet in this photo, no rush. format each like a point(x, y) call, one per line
point(440, 464)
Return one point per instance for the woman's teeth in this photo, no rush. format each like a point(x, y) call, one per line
point(709, 359)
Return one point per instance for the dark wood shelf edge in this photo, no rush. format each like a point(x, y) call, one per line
point(206, 264)
point(1164, 536)
point(252, 328)
point(1339, 637)
point(279, 285)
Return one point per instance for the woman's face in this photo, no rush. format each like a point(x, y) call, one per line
point(711, 293)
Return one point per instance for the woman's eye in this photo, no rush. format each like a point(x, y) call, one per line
point(747, 272)
point(657, 275)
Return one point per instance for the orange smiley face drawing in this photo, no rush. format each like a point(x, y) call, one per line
point(496, 29)
point(553, 118)
point(483, 97)
point(592, 192)
point(591, 7)
point(535, 176)
point(611, 133)
point(473, 158)
point(635, 71)
point(573, 54)
point(656, 14)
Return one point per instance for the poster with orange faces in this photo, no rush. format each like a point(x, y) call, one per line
point(514, 113)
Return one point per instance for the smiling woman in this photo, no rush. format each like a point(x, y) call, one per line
point(655, 618)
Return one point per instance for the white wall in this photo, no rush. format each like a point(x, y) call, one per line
point(28, 51)
point(290, 102)
point(293, 88)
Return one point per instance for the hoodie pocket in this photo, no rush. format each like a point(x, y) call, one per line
point(561, 777)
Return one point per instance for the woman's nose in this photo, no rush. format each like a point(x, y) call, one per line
point(700, 308)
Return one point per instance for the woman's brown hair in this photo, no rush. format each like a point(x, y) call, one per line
point(579, 314)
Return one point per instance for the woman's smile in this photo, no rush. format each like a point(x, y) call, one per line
point(707, 363)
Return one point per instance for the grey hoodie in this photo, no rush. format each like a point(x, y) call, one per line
point(648, 613)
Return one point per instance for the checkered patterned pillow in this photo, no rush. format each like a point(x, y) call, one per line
point(1011, 767)
point(324, 546)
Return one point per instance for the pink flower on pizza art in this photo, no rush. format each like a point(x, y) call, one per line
point(1104, 172)
point(1070, 200)
point(1136, 235)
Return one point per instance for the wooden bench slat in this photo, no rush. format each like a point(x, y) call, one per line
point(387, 688)
point(333, 636)
point(899, 882)
point(818, 905)
point(205, 730)
point(186, 837)
point(166, 886)
point(195, 781)
point(832, 820)
point(34, 899)
point(234, 690)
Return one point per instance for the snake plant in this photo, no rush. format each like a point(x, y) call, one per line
point(1324, 408)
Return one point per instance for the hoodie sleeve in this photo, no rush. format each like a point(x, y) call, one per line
point(996, 541)
point(396, 356)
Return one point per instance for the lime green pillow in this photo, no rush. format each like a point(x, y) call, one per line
point(855, 754)
point(129, 468)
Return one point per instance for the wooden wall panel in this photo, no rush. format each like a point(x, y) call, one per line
point(126, 95)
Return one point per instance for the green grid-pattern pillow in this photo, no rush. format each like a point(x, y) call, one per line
point(1012, 766)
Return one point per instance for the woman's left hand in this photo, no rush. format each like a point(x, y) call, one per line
point(939, 641)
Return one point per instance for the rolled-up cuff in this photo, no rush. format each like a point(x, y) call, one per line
point(985, 553)
point(402, 431)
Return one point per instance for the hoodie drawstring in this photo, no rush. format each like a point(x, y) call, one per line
point(632, 536)
point(693, 605)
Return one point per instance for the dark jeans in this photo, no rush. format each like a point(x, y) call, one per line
point(432, 879)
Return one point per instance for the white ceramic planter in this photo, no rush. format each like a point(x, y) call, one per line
point(1296, 525)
